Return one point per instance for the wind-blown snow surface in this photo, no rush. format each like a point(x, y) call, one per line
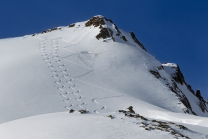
point(90, 126)
point(70, 69)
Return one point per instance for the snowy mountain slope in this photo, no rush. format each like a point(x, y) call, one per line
point(64, 125)
point(25, 83)
point(87, 65)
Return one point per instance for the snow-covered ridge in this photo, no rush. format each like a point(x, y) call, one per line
point(178, 85)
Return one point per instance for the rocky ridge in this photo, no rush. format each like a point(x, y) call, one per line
point(173, 84)
point(105, 32)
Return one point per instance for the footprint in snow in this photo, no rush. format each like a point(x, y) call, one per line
point(94, 100)
point(61, 66)
point(77, 99)
point(66, 76)
point(66, 93)
point(58, 83)
point(69, 106)
point(49, 63)
point(66, 101)
point(55, 71)
point(55, 77)
point(96, 111)
point(46, 59)
point(75, 92)
point(64, 71)
point(64, 96)
point(69, 81)
point(104, 107)
point(51, 67)
point(60, 88)
point(80, 105)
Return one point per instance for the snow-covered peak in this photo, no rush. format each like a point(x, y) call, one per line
point(97, 55)
point(100, 16)
point(105, 30)
point(171, 68)
point(173, 65)
point(94, 67)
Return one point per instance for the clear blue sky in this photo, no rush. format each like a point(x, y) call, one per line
point(172, 30)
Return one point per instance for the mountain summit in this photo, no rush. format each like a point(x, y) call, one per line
point(93, 66)
point(56, 83)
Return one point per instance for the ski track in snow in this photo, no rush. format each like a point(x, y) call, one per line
point(54, 61)
point(64, 80)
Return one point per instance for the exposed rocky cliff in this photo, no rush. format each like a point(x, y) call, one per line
point(177, 79)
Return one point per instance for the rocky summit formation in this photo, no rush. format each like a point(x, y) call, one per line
point(176, 84)
point(106, 32)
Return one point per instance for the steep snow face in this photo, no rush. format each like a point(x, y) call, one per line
point(90, 65)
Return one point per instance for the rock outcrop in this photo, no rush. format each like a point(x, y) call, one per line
point(106, 32)
point(136, 41)
point(173, 85)
point(202, 103)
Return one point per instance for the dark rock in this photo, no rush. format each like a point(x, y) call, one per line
point(198, 94)
point(130, 108)
point(71, 111)
point(111, 21)
point(95, 21)
point(117, 29)
point(160, 67)
point(124, 38)
point(108, 20)
point(83, 111)
point(179, 76)
point(72, 25)
point(113, 39)
point(120, 110)
point(49, 30)
point(111, 116)
point(186, 102)
point(182, 127)
point(136, 41)
point(105, 33)
point(189, 88)
point(155, 73)
point(143, 118)
point(202, 102)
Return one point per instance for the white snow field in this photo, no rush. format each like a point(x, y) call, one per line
point(90, 126)
point(45, 75)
